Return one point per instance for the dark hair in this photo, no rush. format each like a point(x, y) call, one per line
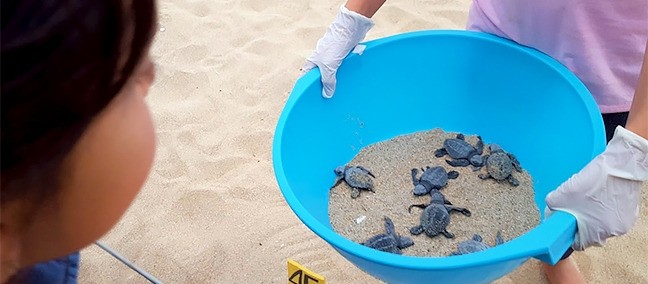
point(63, 61)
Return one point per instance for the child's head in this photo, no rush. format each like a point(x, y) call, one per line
point(77, 136)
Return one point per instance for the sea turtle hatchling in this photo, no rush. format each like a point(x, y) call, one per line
point(357, 177)
point(476, 244)
point(431, 178)
point(389, 241)
point(500, 164)
point(461, 152)
point(436, 216)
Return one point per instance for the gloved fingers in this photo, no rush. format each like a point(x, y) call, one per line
point(583, 240)
point(580, 230)
point(328, 81)
point(547, 212)
point(604, 196)
point(560, 196)
point(624, 199)
point(587, 181)
point(611, 210)
point(578, 243)
point(328, 73)
point(308, 65)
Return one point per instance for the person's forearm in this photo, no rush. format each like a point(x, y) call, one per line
point(638, 117)
point(366, 8)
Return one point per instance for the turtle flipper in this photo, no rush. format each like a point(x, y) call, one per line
point(415, 180)
point(453, 174)
point(404, 242)
point(416, 230)
point(447, 234)
point(366, 171)
point(458, 162)
point(389, 226)
point(480, 145)
point(516, 163)
point(338, 180)
point(458, 209)
point(498, 239)
point(355, 192)
point(446, 202)
point(440, 152)
point(513, 181)
point(484, 176)
point(422, 206)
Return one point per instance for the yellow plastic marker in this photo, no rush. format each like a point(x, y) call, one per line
point(297, 274)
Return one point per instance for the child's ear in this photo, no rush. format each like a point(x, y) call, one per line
point(10, 245)
point(145, 76)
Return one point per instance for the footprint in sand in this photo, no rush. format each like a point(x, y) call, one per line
point(171, 166)
point(249, 144)
point(196, 8)
point(221, 168)
point(255, 5)
point(190, 54)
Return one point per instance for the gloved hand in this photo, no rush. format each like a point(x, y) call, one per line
point(346, 31)
point(604, 196)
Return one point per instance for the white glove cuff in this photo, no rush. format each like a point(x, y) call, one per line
point(356, 25)
point(628, 154)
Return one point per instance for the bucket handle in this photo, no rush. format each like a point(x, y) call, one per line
point(560, 230)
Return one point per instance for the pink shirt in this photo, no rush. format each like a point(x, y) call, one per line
point(601, 41)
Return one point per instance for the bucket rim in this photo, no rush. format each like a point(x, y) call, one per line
point(534, 243)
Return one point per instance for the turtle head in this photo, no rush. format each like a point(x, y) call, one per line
point(437, 197)
point(419, 189)
point(339, 171)
point(495, 148)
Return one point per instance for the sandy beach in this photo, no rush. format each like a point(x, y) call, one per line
point(211, 211)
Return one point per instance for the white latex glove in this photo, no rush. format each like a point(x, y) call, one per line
point(604, 196)
point(347, 30)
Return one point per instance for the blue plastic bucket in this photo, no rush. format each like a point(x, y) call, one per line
point(459, 81)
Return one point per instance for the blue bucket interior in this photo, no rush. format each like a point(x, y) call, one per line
point(459, 81)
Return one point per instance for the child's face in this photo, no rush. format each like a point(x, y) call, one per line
point(105, 171)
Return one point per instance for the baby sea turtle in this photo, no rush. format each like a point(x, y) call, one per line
point(431, 178)
point(356, 177)
point(436, 216)
point(461, 152)
point(389, 241)
point(476, 244)
point(500, 165)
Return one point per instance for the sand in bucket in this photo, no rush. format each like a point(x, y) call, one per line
point(494, 205)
